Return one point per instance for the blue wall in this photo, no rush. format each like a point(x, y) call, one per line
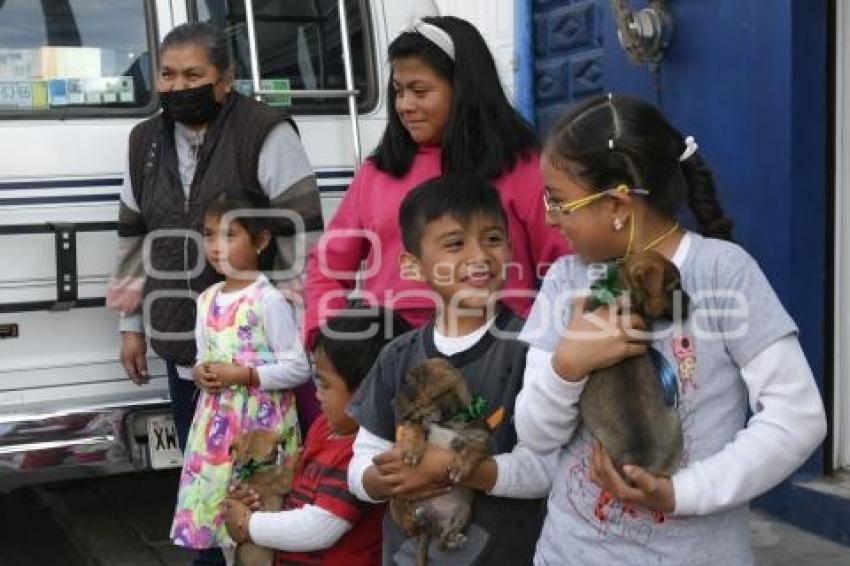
point(750, 84)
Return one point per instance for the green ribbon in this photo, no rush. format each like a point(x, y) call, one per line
point(606, 290)
point(474, 411)
point(250, 468)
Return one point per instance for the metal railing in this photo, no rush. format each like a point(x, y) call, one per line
point(350, 92)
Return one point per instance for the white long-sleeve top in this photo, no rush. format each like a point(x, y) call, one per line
point(292, 367)
point(366, 446)
point(788, 421)
point(298, 530)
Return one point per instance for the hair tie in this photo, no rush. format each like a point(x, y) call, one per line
point(436, 35)
point(691, 148)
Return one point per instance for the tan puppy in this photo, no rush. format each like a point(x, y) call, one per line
point(255, 455)
point(624, 406)
point(433, 405)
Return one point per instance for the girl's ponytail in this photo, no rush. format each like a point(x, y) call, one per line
point(702, 199)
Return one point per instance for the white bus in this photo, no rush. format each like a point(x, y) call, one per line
point(75, 76)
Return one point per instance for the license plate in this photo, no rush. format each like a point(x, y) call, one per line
point(162, 443)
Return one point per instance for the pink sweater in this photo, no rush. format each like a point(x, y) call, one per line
point(372, 204)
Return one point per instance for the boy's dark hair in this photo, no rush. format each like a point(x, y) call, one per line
point(214, 42)
point(353, 339)
point(458, 196)
point(484, 134)
point(608, 140)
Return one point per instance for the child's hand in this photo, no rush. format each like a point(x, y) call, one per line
point(236, 519)
point(646, 490)
point(230, 374)
point(399, 479)
point(205, 379)
point(597, 340)
point(246, 495)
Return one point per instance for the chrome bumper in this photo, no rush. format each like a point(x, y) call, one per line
point(91, 439)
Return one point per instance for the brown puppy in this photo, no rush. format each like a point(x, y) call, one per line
point(624, 406)
point(254, 455)
point(434, 406)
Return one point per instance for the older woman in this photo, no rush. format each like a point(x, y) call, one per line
point(207, 140)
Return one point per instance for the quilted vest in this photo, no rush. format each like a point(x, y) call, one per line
point(227, 162)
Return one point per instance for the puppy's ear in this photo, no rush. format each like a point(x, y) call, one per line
point(646, 279)
point(235, 449)
point(267, 443)
point(409, 391)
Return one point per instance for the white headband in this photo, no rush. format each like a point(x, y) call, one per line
point(691, 148)
point(435, 35)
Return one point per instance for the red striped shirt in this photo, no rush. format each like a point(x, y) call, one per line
point(322, 480)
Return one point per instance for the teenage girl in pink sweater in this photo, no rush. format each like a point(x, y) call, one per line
point(450, 114)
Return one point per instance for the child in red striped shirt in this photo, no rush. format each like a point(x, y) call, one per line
point(322, 523)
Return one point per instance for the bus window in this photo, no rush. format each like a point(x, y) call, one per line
point(75, 58)
point(299, 48)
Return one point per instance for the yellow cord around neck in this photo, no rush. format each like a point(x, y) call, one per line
point(650, 245)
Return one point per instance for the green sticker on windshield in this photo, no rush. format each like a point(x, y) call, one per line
point(275, 91)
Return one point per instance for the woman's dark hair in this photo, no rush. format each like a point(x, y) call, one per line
point(353, 339)
point(609, 140)
point(458, 196)
point(484, 133)
point(214, 41)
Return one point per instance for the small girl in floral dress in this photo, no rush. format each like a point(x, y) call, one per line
point(249, 360)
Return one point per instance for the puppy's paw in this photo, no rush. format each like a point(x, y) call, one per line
point(421, 516)
point(461, 467)
point(413, 441)
point(412, 457)
point(456, 473)
point(452, 541)
point(470, 448)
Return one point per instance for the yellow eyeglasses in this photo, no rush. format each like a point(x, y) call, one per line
point(574, 205)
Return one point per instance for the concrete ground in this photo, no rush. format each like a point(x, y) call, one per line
point(124, 521)
point(779, 544)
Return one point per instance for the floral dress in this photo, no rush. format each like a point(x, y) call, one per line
point(234, 334)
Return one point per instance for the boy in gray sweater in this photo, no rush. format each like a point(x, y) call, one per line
point(456, 241)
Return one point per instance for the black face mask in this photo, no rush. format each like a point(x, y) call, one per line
point(191, 106)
